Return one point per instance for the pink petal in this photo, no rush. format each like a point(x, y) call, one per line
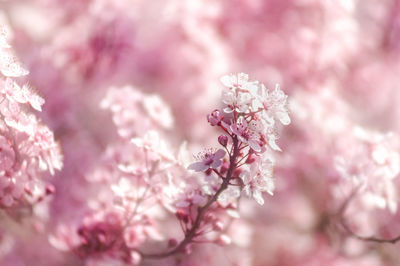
point(219, 154)
point(198, 167)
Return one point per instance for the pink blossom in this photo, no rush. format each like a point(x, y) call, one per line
point(258, 179)
point(246, 134)
point(208, 159)
point(7, 157)
point(215, 117)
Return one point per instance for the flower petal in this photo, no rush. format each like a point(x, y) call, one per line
point(198, 167)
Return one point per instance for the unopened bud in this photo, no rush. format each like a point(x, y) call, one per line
point(208, 171)
point(250, 159)
point(237, 172)
point(172, 242)
point(187, 250)
point(215, 118)
point(209, 217)
point(224, 168)
point(182, 216)
point(135, 258)
point(50, 189)
point(218, 226)
point(223, 240)
point(223, 140)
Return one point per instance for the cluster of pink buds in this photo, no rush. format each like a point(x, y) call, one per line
point(27, 147)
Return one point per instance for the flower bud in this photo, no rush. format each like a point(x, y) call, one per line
point(50, 189)
point(182, 216)
point(251, 159)
point(218, 226)
point(135, 258)
point(237, 172)
point(223, 140)
point(215, 118)
point(188, 249)
point(223, 240)
point(224, 168)
point(209, 217)
point(172, 242)
point(209, 171)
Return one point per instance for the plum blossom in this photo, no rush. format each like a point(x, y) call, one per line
point(158, 111)
point(236, 101)
point(9, 65)
point(208, 159)
point(238, 95)
point(273, 103)
point(126, 103)
point(27, 146)
point(372, 166)
point(246, 134)
point(215, 117)
point(7, 155)
point(229, 195)
point(239, 81)
point(258, 179)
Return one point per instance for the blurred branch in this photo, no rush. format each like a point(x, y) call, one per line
point(351, 233)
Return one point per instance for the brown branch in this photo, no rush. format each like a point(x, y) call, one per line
point(346, 227)
point(192, 233)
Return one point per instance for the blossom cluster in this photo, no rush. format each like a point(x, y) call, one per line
point(132, 184)
point(27, 146)
point(139, 180)
point(249, 120)
point(130, 193)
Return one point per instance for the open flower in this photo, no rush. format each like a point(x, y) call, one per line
point(239, 81)
point(274, 104)
point(236, 101)
point(246, 134)
point(208, 159)
point(258, 179)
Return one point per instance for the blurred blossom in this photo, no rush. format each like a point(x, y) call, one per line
point(103, 103)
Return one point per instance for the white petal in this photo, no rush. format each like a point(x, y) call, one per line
point(254, 145)
point(283, 117)
point(228, 80)
point(272, 144)
point(257, 195)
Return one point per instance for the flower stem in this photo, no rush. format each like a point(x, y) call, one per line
point(192, 233)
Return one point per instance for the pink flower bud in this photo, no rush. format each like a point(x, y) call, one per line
point(223, 240)
point(223, 140)
point(172, 242)
point(250, 159)
point(237, 172)
point(224, 168)
point(215, 118)
point(135, 258)
point(50, 189)
point(188, 249)
point(182, 216)
point(209, 217)
point(209, 171)
point(218, 226)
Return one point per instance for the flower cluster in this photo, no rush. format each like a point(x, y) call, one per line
point(127, 104)
point(249, 120)
point(140, 180)
point(27, 147)
point(132, 184)
point(371, 167)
